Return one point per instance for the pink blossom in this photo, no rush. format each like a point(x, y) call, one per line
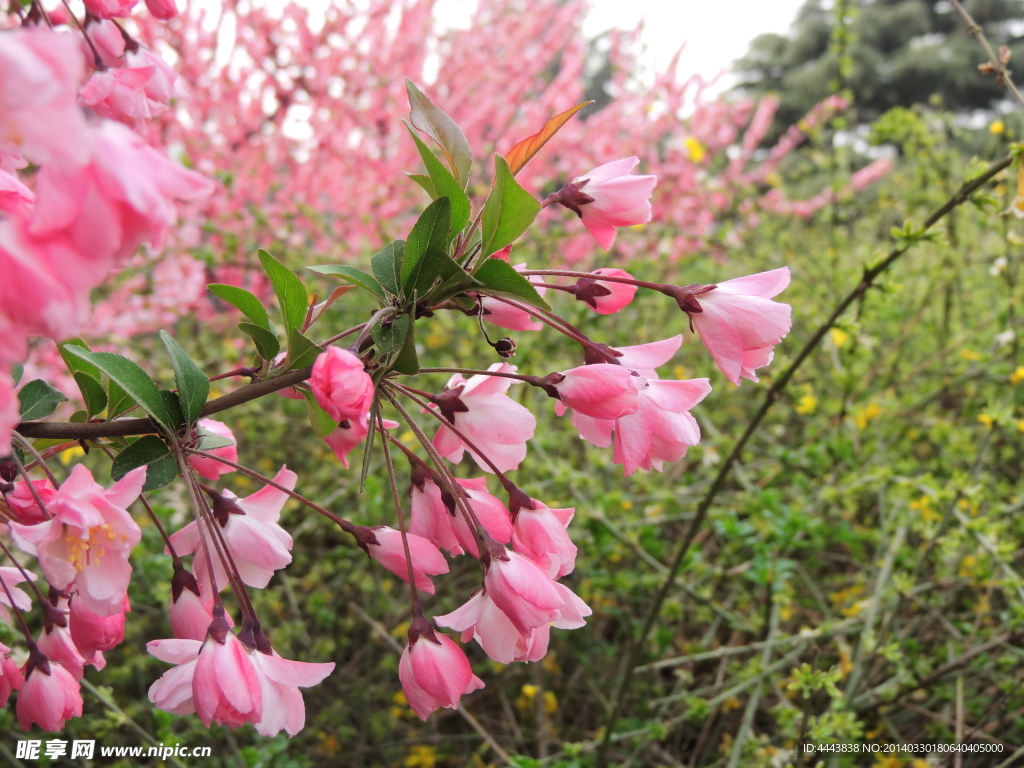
point(389, 551)
point(88, 539)
point(497, 312)
point(435, 673)
point(15, 197)
point(49, 697)
point(481, 410)
point(93, 633)
point(226, 687)
point(601, 390)
point(122, 197)
point(341, 386)
point(162, 9)
point(39, 74)
point(609, 197)
point(437, 517)
point(350, 434)
point(740, 324)
point(429, 515)
point(540, 534)
point(107, 39)
point(10, 575)
point(522, 590)
point(212, 469)
point(605, 298)
point(22, 502)
point(258, 545)
point(173, 691)
point(489, 511)
point(280, 680)
point(191, 609)
point(58, 646)
point(11, 678)
point(109, 9)
point(140, 90)
point(10, 415)
point(482, 620)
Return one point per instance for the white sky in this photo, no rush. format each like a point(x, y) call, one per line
point(715, 32)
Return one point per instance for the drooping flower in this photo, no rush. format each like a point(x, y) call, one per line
point(162, 9)
point(11, 576)
point(349, 434)
point(603, 296)
point(109, 9)
point(22, 502)
point(608, 197)
point(280, 680)
point(434, 671)
point(92, 633)
point(481, 620)
point(504, 315)
point(258, 545)
point(212, 469)
point(56, 642)
point(15, 197)
point(540, 534)
point(88, 539)
point(50, 695)
point(341, 386)
point(522, 590)
point(173, 691)
point(602, 390)
point(191, 609)
point(11, 678)
point(738, 321)
point(387, 549)
point(226, 687)
point(481, 410)
point(489, 511)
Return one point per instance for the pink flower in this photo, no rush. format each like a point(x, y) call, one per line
point(39, 75)
point(191, 608)
point(504, 315)
point(608, 197)
point(226, 687)
point(22, 502)
point(258, 545)
point(50, 695)
point(389, 551)
point(10, 575)
point(350, 434)
point(93, 633)
point(494, 422)
point(10, 416)
point(107, 39)
point(140, 90)
point(540, 534)
point(602, 390)
point(88, 539)
point(482, 620)
point(434, 672)
point(489, 510)
point(122, 197)
point(173, 691)
point(162, 9)
point(429, 515)
point(437, 517)
point(58, 646)
point(738, 321)
point(212, 469)
point(605, 298)
point(11, 678)
point(108, 9)
point(341, 386)
point(522, 591)
point(280, 680)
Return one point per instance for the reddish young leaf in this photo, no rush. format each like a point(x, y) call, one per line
point(523, 152)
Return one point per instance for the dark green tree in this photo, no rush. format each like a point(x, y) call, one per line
point(888, 53)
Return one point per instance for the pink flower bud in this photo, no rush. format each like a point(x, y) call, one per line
point(209, 468)
point(11, 678)
point(602, 390)
point(350, 434)
point(49, 697)
point(435, 673)
point(523, 592)
point(605, 298)
point(93, 633)
point(389, 551)
point(162, 9)
point(225, 687)
point(341, 386)
point(540, 534)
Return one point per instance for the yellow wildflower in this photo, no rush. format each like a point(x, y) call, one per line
point(839, 337)
point(970, 354)
point(997, 127)
point(71, 454)
point(866, 415)
point(807, 405)
point(1017, 376)
point(987, 420)
point(421, 757)
point(695, 149)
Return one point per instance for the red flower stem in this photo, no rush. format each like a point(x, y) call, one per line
point(345, 525)
point(590, 276)
point(417, 609)
point(185, 469)
point(451, 485)
point(474, 372)
point(559, 324)
point(244, 371)
point(241, 593)
point(342, 335)
point(49, 453)
point(24, 573)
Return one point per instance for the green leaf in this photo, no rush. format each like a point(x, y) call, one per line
point(442, 184)
point(209, 441)
point(291, 293)
point(118, 401)
point(134, 381)
point(426, 247)
point(151, 452)
point(92, 393)
point(442, 129)
point(390, 338)
point(244, 302)
point(499, 278)
point(88, 378)
point(17, 371)
point(387, 266)
point(266, 341)
point(425, 182)
point(39, 399)
point(455, 280)
point(351, 275)
point(319, 419)
point(173, 406)
point(301, 352)
point(193, 386)
point(508, 212)
point(406, 361)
